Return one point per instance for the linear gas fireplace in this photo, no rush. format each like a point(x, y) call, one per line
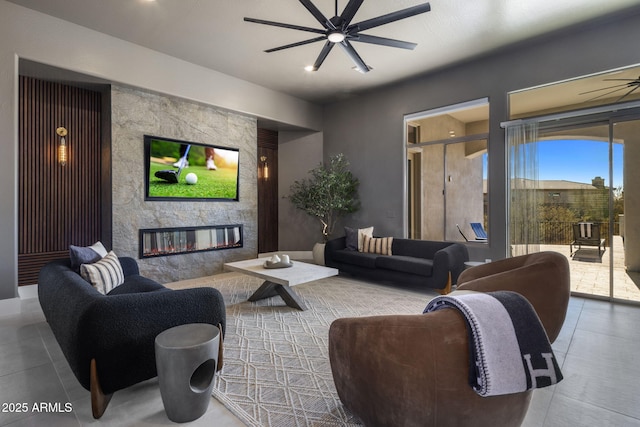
point(155, 242)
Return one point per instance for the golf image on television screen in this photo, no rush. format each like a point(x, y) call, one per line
point(188, 170)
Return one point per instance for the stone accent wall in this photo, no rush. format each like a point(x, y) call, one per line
point(136, 113)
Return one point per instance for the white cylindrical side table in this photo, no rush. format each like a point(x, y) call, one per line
point(469, 264)
point(186, 359)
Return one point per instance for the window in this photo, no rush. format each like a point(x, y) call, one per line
point(447, 171)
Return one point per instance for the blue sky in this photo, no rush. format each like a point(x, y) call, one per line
point(579, 161)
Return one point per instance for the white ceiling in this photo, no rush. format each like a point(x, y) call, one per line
point(212, 33)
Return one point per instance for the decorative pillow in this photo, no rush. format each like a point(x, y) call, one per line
point(364, 232)
point(86, 254)
point(351, 235)
point(104, 275)
point(380, 245)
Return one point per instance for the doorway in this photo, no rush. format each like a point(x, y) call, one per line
point(588, 137)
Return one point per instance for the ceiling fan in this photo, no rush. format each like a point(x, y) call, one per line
point(631, 84)
point(339, 31)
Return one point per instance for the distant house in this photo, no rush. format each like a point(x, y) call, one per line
point(589, 201)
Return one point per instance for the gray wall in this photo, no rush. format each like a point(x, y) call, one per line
point(464, 197)
point(369, 128)
point(136, 113)
point(298, 152)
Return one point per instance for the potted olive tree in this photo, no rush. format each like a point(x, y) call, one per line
point(328, 194)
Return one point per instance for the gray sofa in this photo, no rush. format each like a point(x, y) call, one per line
point(421, 263)
point(108, 340)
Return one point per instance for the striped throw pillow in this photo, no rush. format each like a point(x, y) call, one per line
point(377, 245)
point(105, 274)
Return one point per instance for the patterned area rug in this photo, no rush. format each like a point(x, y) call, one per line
point(277, 370)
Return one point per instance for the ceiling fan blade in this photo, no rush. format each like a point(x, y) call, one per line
point(620, 87)
point(364, 38)
point(621, 80)
point(627, 94)
point(283, 25)
point(351, 53)
point(318, 15)
point(390, 17)
point(605, 94)
point(350, 11)
point(302, 43)
point(323, 55)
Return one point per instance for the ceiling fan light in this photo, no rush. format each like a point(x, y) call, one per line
point(336, 37)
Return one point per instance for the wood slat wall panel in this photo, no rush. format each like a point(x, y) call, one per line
point(58, 205)
point(268, 192)
point(29, 265)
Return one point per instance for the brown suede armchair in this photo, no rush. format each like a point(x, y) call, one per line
point(412, 370)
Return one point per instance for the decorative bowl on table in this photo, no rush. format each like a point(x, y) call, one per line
point(277, 262)
point(280, 264)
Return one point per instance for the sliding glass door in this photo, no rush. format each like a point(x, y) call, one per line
point(584, 209)
point(587, 197)
point(573, 202)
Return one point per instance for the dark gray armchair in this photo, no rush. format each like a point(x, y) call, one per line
point(108, 340)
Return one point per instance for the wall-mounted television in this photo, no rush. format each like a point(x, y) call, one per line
point(183, 170)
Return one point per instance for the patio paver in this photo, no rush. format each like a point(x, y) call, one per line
point(592, 278)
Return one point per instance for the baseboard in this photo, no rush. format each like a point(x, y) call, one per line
point(12, 306)
point(29, 291)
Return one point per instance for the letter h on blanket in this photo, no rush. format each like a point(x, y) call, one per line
point(548, 372)
point(506, 340)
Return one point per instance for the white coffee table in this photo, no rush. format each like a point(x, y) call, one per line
point(279, 281)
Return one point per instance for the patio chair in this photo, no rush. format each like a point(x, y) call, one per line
point(479, 231)
point(465, 237)
point(587, 234)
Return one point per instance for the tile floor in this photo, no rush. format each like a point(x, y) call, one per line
point(33, 370)
point(598, 347)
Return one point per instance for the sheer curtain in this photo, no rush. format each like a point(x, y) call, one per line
point(522, 141)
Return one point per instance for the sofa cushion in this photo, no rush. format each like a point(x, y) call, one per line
point(418, 248)
point(361, 233)
point(377, 245)
point(405, 264)
point(86, 254)
point(355, 258)
point(135, 284)
point(105, 274)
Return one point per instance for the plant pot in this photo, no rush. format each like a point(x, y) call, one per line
point(318, 253)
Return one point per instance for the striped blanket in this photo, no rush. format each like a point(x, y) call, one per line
point(510, 351)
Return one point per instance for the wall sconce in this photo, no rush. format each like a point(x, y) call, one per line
point(264, 171)
point(62, 146)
